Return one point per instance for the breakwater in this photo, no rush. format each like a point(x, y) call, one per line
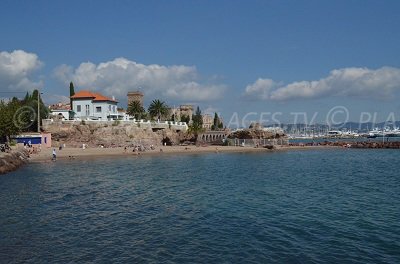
point(13, 160)
point(352, 144)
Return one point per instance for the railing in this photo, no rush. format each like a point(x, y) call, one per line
point(152, 124)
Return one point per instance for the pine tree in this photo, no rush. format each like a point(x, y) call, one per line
point(185, 118)
point(220, 125)
point(27, 97)
point(71, 93)
point(197, 121)
point(9, 123)
point(216, 122)
point(33, 103)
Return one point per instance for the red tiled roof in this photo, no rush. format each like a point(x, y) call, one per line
point(94, 96)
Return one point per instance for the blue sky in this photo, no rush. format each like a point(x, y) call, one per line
point(226, 56)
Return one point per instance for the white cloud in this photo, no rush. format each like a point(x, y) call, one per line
point(120, 75)
point(381, 83)
point(260, 89)
point(16, 70)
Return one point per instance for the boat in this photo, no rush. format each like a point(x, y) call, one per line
point(384, 132)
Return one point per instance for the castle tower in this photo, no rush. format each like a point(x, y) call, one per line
point(135, 96)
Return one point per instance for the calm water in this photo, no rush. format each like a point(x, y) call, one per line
point(322, 206)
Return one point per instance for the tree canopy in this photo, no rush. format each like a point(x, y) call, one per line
point(71, 92)
point(7, 125)
point(217, 123)
point(136, 110)
point(185, 118)
point(197, 122)
point(158, 109)
point(21, 115)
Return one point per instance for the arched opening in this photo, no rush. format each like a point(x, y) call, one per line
point(167, 141)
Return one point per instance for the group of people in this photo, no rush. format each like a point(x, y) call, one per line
point(139, 148)
point(32, 149)
point(5, 147)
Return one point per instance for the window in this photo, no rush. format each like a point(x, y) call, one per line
point(109, 108)
point(78, 108)
point(114, 108)
point(98, 109)
point(87, 110)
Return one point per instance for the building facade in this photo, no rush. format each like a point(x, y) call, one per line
point(135, 96)
point(64, 114)
point(93, 106)
point(182, 110)
point(61, 110)
point(208, 121)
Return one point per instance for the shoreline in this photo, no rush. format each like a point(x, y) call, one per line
point(11, 161)
point(74, 153)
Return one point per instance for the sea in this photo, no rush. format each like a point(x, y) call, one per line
point(296, 206)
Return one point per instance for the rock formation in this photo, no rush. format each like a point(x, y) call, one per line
point(13, 160)
point(114, 134)
point(256, 131)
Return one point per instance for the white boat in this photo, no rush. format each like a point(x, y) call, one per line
point(334, 133)
point(384, 132)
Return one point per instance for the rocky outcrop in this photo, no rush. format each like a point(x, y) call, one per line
point(256, 131)
point(95, 134)
point(13, 160)
point(352, 144)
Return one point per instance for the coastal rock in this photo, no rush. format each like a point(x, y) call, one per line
point(13, 160)
point(110, 135)
point(256, 132)
point(255, 126)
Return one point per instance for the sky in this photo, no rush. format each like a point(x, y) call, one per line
point(288, 61)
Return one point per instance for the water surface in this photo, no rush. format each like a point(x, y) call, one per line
point(314, 206)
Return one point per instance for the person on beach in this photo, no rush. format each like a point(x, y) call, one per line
point(54, 155)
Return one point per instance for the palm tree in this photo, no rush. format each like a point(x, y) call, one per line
point(158, 109)
point(135, 109)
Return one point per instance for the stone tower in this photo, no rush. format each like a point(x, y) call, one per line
point(135, 96)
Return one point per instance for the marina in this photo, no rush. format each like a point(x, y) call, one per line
point(386, 132)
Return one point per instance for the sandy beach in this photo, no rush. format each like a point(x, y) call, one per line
point(68, 153)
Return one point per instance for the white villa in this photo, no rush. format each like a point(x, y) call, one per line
point(61, 110)
point(97, 108)
point(88, 105)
